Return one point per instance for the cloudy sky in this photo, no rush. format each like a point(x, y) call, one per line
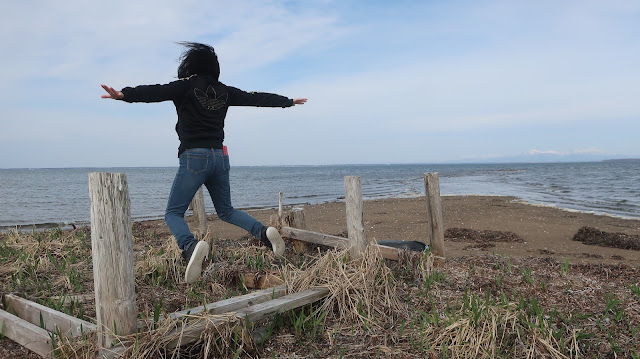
point(387, 81)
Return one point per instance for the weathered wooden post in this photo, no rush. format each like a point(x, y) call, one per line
point(435, 228)
point(280, 210)
point(197, 205)
point(111, 243)
point(355, 217)
point(278, 220)
point(297, 219)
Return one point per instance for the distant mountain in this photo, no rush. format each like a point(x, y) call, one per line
point(623, 160)
point(548, 158)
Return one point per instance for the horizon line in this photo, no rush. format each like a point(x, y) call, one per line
point(357, 164)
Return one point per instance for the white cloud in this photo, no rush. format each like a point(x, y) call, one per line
point(385, 74)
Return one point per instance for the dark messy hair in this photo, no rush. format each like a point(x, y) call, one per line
point(198, 59)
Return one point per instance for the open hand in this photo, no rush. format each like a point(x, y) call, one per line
point(116, 95)
point(299, 101)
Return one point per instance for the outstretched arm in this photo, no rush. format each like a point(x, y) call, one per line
point(116, 95)
point(238, 97)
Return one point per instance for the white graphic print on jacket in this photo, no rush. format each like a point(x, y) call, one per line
point(210, 100)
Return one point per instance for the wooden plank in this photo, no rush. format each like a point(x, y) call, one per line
point(283, 304)
point(355, 216)
point(37, 314)
point(191, 332)
point(224, 306)
point(315, 237)
point(335, 242)
point(435, 227)
point(26, 334)
point(111, 245)
point(234, 304)
point(388, 252)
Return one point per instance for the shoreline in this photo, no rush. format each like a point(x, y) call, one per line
point(547, 231)
point(69, 225)
point(596, 213)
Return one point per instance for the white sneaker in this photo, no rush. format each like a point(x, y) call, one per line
point(194, 267)
point(277, 244)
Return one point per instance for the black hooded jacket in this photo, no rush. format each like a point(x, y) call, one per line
point(202, 103)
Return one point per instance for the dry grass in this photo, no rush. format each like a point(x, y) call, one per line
point(42, 253)
point(361, 291)
point(494, 328)
point(229, 262)
point(219, 336)
point(478, 306)
point(162, 263)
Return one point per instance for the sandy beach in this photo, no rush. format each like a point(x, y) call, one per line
point(546, 231)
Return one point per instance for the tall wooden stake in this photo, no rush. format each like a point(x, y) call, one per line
point(355, 218)
point(280, 210)
point(111, 242)
point(197, 204)
point(296, 215)
point(435, 228)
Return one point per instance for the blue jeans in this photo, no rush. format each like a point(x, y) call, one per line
point(210, 167)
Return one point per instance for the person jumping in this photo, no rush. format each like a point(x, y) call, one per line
point(201, 102)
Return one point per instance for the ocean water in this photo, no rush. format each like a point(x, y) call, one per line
point(52, 197)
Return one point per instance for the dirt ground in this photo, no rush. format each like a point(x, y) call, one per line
point(547, 231)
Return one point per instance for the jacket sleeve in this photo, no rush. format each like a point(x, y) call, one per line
point(155, 93)
point(238, 97)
